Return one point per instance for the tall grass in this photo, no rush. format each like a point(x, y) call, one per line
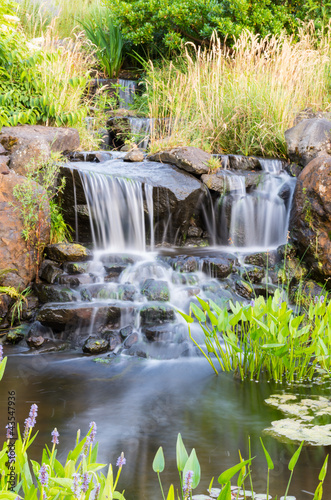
point(241, 100)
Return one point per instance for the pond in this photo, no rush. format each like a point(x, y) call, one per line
point(139, 405)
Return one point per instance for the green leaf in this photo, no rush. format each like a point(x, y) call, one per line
point(2, 367)
point(187, 318)
point(267, 456)
point(324, 468)
point(193, 465)
point(200, 315)
point(295, 458)
point(158, 462)
point(228, 474)
point(181, 453)
point(225, 493)
point(171, 493)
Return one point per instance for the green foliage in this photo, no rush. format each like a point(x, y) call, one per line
point(165, 24)
point(266, 338)
point(60, 231)
point(109, 43)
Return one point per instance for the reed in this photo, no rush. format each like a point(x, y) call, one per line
point(241, 100)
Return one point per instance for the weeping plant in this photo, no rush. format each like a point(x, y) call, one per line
point(109, 43)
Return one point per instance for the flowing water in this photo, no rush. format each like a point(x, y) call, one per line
point(140, 404)
point(126, 93)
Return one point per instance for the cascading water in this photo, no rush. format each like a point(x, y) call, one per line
point(116, 207)
point(126, 93)
point(257, 218)
point(141, 130)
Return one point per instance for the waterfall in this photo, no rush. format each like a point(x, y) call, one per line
point(258, 218)
point(140, 129)
point(116, 208)
point(126, 93)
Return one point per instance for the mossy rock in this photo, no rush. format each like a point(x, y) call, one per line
point(95, 345)
point(156, 314)
point(156, 290)
point(68, 252)
point(15, 335)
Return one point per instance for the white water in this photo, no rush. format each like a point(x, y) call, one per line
point(126, 93)
point(141, 130)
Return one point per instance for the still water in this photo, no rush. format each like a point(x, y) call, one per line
point(140, 404)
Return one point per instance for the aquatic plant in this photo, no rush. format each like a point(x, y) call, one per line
point(265, 338)
point(189, 475)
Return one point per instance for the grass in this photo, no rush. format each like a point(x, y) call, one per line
point(240, 100)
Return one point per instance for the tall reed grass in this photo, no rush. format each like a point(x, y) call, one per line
point(240, 100)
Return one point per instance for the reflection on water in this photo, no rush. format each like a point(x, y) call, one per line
point(139, 405)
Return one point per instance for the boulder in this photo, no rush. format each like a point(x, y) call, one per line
point(311, 217)
point(35, 342)
point(217, 267)
point(156, 290)
point(54, 293)
point(67, 316)
point(309, 139)
point(239, 162)
point(134, 155)
point(49, 271)
point(156, 314)
point(32, 144)
point(76, 267)
point(95, 345)
point(218, 182)
point(15, 335)
point(14, 252)
point(64, 252)
point(193, 160)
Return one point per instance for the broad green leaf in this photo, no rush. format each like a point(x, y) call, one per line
point(187, 318)
point(158, 462)
point(181, 453)
point(200, 315)
point(267, 456)
point(171, 493)
point(295, 458)
point(66, 482)
point(225, 493)
point(2, 367)
point(193, 465)
point(228, 474)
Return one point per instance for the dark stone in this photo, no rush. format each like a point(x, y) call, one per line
point(5, 301)
point(309, 139)
point(244, 289)
point(156, 314)
point(90, 156)
point(266, 290)
point(156, 290)
point(194, 232)
point(126, 331)
point(54, 293)
point(193, 160)
point(159, 332)
point(86, 295)
point(131, 340)
point(127, 292)
point(68, 252)
point(49, 271)
point(12, 279)
point(186, 264)
point(76, 267)
point(95, 345)
point(262, 259)
point(76, 280)
point(238, 162)
point(286, 251)
point(217, 267)
point(114, 342)
point(254, 274)
point(15, 335)
point(135, 155)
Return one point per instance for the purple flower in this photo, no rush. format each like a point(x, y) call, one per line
point(76, 484)
point(1, 353)
point(93, 427)
point(30, 422)
point(121, 460)
point(187, 487)
point(10, 429)
point(95, 493)
point(252, 303)
point(43, 475)
point(322, 299)
point(55, 436)
point(86, 482)
point(315, 299)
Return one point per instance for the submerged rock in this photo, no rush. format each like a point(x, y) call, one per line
point(95, 345)
point(156, 290)
point(217, 267)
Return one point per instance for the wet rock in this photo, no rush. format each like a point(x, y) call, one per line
point(64, 252)
point(291, 271)
point(35, 342)
point(254, 274)
point(49, 271)
point(95, 345)
point(238, 162)
point(262, 259)
point(134, 155)
point(90, 156)
point(54, 293)
point(286, 251)
point(193, 160)
point(27, 156)
point(215, 182)
point(127, 292)
point(311, 217)
point(15, 335)
point(53, 345)
point(5, 302)
point(194, 232)
point(191, 291)
point(12, 279)
point(159, 332)
point(156, 290)
point(76, 280)
point(36, 329)
point(308, 139)
point(266, 290)
point(111, 260)
point(14, 253)
point(86, 295)
point(244, 289)
point(217, 267)
point(186, 264)
point(131, 340)
point(29, 307)
point(156, 314)
point(113, 271)
point(76, 267)
point(195, 242)
point(126, 331)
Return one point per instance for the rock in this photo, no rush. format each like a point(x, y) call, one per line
point(131, 340)
point(126, 331)
point(29, 144)
point(291, 271)
point(266, 290)
point(15, 335)
point(311, 217)
point(159, 332)
point(13, 280)
point(176, 196)
point(5, 301)
point(126, 292)
point(239, 162)
point(90, 156)
point(244, 289)
point(64, 252)
point(134, 155)
point(194, 232)
point(14, 253)
point(217, 267)
point(35, 342)
point(95, 345)
point(4, 160)
point(193, 160)
point(76, 267)
point(115, 341)
point(262, 259)
point(308, 139)
point(254, 274)
point(215, 182)
point(2, 150)
point(185, 264)
point(156, 314)
point(156, 290)
point(54, 293)
point(76, 280)
point(49, 271)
